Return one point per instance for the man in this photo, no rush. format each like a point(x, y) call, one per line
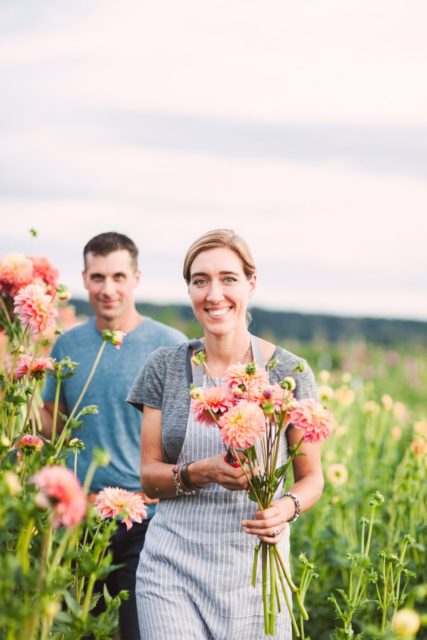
point(111, 276)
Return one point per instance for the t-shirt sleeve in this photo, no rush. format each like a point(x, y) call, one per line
point(305, 383)
point(147, 388)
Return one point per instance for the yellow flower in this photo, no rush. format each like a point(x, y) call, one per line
point(325, 392)
point(370, 407)
point(324, 376)
point(341, 430)
point(337, 474)
point(420, 428)
point(344, 396)
point(12, 483)
point(346, 377)
point(406, 623)
point(387, 402)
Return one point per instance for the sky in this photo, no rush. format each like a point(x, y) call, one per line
point(303, 126)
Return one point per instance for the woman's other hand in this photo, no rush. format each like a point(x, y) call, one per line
point(270, 524)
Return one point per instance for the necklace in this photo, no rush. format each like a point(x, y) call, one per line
point(242, 361)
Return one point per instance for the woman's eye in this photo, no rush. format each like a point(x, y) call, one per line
point(199, 282)
point(230, 280)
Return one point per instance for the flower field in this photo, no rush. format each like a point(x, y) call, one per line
point(367, 536)
point(361, 551)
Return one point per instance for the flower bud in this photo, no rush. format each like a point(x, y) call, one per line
point(288, 383)
point(101, 457)
point(63, 293)
point(12, 483)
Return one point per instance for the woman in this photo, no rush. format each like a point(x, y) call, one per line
point(193, 579)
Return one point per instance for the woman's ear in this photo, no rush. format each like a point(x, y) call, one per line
point(252, 285)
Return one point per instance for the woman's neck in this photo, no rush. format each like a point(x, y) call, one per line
point(222, 351)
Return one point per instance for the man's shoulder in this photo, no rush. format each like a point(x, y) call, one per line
point(162, 334)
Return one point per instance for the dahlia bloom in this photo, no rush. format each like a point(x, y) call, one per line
point(313, 419)
point(242, 425)
point(209, 404)
point(16, 271)
point(64, 494)
point(45, 272)
point(34, 307)
point(113, 502)
point(30, 443)
point(337, 474)
point(34, 367)
point(245, 380)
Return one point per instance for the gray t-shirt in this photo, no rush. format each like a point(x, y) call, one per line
point(164, 384)
point(116, 428)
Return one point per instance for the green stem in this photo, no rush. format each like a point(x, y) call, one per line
point(62, 437)
point(29, 410)
point(255, 564)
point(273, 587)
point(287, 600)
point(264, 557)
point(55, 410)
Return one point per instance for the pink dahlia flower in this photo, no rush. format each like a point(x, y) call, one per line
point(16, 271)
point(243, 384)
point(113, 502)
point(45, 272)
point(34, 367)
point(64, 493)
point(117, 338)
point(310, 416)
point(30, 443)
point(34, 307)
point(209, 404)
point(242, 425)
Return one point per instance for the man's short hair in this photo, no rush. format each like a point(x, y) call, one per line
point(105, 243)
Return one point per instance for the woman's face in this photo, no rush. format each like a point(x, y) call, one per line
point(219, 290)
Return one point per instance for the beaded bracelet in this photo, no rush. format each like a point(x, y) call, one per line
point(180, 489)
point(297, 504)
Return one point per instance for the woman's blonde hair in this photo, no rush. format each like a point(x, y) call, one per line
point(220, 238)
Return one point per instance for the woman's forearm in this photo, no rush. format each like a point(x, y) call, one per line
point(307, 490)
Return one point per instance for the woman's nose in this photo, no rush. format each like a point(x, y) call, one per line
point(215, 291)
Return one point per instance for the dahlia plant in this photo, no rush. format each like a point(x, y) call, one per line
point(54, 544)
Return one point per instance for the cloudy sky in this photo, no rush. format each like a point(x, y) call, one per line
point(301, 125)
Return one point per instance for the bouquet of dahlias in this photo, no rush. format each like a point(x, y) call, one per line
point(253, 415)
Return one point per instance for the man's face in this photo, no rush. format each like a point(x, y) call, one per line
point(110, 281)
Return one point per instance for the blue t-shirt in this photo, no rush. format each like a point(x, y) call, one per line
point(117, 426)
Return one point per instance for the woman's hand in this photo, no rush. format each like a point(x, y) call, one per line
point(217, 470)
point(270, 524)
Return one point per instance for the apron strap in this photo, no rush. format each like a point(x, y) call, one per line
point(257, 352)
